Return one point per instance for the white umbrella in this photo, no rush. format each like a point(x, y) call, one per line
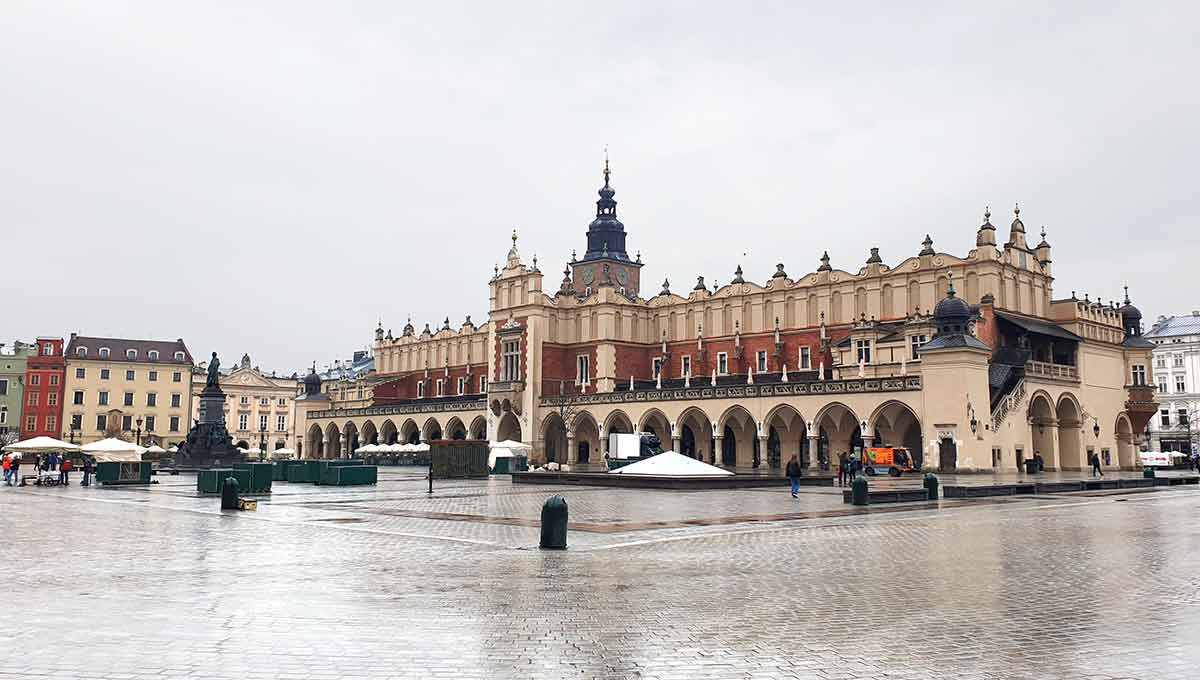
point(368, 448)
point(173, 449)
point(41, 445)
point(155, 448)
point(510, 445)
point(254, 450)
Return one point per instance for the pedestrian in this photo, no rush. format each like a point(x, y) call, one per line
point(842, 469)
point(1096, 465)
point(851, 470)
point(88, 468)
point(64, 470)
point(7, 469)
point(15, 469)
point(793, 473)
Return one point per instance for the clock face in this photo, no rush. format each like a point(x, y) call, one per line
point(588, 277)
point(622, 277)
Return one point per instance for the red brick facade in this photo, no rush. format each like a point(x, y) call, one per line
point(404, 387)
point(45, 384)
point(637, 360)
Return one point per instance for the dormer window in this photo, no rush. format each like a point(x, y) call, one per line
point(103, 352)
point(81, 351)
point(153, 355)
point(131, 354)
point(179, 356)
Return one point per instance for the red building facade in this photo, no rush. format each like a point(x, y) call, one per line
point(45, 382)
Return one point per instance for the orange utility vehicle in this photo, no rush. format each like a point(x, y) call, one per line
point(895, 460)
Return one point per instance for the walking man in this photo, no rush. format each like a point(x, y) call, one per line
point(64, 470)
point(793, 473)
point(15, 470)
point(841, 469)
point(8, 469)
point(87, 471)
point(1096, 465)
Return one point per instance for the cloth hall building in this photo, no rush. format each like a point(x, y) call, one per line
point(969, 361)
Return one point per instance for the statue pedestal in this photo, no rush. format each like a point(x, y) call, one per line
point(208, 443)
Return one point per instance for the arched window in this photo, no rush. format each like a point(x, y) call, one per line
point(81, 351)
point(152, 355)
point(103, 352)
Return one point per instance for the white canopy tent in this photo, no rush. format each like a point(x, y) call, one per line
point(283, 453)
point(114, 450)
point(671, 464)
point(368, 448)
point(155, 448)
point(40, 445)
point(506, 449)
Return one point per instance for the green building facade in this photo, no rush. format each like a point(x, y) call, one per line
point(12, 388)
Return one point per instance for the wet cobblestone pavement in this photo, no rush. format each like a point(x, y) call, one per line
point(387, 582)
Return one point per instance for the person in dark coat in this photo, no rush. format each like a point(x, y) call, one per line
point(1096, 465)
point(793, 473)
point(842, 462)
point(88, 468)
point(15, 467)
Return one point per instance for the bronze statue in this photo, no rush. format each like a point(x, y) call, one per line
point(214, 368)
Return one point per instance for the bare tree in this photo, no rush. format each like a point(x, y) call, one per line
point(566, 404)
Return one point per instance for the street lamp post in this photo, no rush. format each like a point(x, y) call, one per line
point(139, 431)
point(73, 431)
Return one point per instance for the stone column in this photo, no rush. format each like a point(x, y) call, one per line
point(675, 440)
point(569, 455)
point(814, 449)
point(717, 450)
point(763, 460)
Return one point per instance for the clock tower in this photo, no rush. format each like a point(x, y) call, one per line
point(605, 263)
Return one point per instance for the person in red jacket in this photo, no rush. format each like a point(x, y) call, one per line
point(64, 469)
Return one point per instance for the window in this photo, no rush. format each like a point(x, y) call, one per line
point(129, 375)
point(4, 418)
point(482, 384)
point(149, 423)
point(243, 421)
point(262, 422)
point(1177, 361)
point(1181, 417)
point(510, 353)
point(264, 401)
point(101, 422)
point(4, 386)
point(53, 379)
point(47, 350)
point(863, 349)
point(440, 388)
point(78, 398)
point(805, 358)
point(1162, 384)
point(244, 401)
point(176, 400)
point(1160, 362)
point(81, 351)
point(761, 360)
point(34, 398)
point(722, 363)
point(129, 398)
point(1164, 418)
point(1180, 383)
point(52, 399)
point(420, 389)
point(103, 398)
point(152, 399)
point(30, 423)
point(917, 341)
point(179, 356)
point(462, 385)
point(131, 354)
point(77, 421)
point(127, 423)
point(51, 423)
point(80, 373)
point(152, 355)
point(35, 379)
point(174, 424)
point(685, 366)
point(176, 377)
point(360, 392)
point(282, 401)
point(104, 374)
point(280, 423)
point(583, 375)
point(1139, 374)
point(152, 376)
point(103, 352)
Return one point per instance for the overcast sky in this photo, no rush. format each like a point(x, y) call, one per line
point(273, 180)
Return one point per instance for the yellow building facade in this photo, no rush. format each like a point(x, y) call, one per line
point(258, 406)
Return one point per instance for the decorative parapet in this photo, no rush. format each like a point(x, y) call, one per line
point(417, 406)
point(897, 384)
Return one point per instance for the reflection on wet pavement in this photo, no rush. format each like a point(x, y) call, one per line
point(389, 582)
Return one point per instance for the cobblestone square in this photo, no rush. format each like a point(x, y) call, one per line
point(390, 582)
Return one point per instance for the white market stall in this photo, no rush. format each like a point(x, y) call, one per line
point(506, 451)
point(118, 461)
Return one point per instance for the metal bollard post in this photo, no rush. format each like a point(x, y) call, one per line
point(554, 524)
point(229, 494)
point(931, 486)
point(858, 491)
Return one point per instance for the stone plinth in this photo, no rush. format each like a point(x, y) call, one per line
point(208, 442)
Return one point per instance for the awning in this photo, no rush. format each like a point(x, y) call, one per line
point(1039, 327)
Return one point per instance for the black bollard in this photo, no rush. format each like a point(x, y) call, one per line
point(554, 524)
point(931, 486)
point(858, 491)
point(229, 494)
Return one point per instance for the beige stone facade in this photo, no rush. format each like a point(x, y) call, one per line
point(750, 373)
point(111, 383)
point(257, 406)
